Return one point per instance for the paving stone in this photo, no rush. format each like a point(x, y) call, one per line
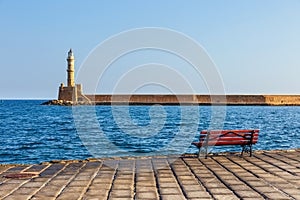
point(167, 180)
point(145, 189)
point(68, 195)
point(168, 185)
point(189, 182)
point(78, 183)
point(25, 191)
point(186, 178)
point(195, 187)
point(64, 177)
point(101, 186)
point(276, 195)
point(170, 191)
point(220, 191)
point(145, 183)
point(121, 194)
point(42, 198)
point(6, 187)
point(145, 178)
point(257, 183)
point(94, 198)
point(99, 192)
point(82, 177)
point(172, 197)
point(213, 184)
point(122, 181)
point(292, 191)
point(248, 194)
point(16, 197)
point(147, 195)
point(123, 187)
point(48, 192)
point(225, 197)
point(35, 184)
point(102, 180)
point(197, 194)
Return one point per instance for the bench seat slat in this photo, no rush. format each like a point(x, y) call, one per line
point(226, 131)
point(230, 135)
point(229, 138)
point(221, 143)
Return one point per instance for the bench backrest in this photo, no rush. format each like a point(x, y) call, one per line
point(228, 137)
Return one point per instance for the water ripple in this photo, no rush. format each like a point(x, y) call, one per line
point(31, 133)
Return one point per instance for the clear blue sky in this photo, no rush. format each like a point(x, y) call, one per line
point(255, 44)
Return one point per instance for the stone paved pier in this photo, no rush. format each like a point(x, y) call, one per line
point(266, 175)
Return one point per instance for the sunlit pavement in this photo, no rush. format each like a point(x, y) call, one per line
point(266, 175)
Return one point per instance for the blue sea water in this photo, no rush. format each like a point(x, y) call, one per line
point(32, 133)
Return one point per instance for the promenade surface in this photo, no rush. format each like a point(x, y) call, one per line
point(266, 175)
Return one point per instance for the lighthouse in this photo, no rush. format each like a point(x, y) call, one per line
point(71, 92)
point(70, 70)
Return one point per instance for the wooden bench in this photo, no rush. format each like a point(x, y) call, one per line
point(245, 138)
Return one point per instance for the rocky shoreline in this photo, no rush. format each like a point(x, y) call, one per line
point(78, 103)
point(65, 103)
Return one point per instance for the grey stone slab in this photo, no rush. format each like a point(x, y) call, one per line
point(33, 184)
point(7, 188)
point(97, 193)
point(164, 191)
point(25, 191)
point(168, 185)
point(197, 194)
point(292, 191)
point(123, 187)
point(121, 194)
point(225, 197)
point(173, 197)
point(147, 195)
point(101, 186)
point(146, 183)
point(146, 189)
point(195, 187)
point(167, 180)
point(248, 194)
point(276, 195)
point(48, 192)
point(220, 191)
point(68, 195)
point(78, 183)
point(91, 197)
point(145, 178)
point(17, 197)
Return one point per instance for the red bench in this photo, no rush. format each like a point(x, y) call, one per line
point(245, 138)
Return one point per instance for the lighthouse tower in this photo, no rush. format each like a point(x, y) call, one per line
point(70, 70)
point(71, 92)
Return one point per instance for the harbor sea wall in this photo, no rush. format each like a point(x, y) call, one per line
point(196, 99)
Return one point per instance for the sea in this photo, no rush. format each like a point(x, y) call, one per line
point(35, 133)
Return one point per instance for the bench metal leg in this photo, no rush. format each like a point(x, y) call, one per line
point(206, 152)
point(250, 150)
point(244, 149)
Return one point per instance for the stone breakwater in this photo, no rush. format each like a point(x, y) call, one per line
point(259, 100)
point(266, 175)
